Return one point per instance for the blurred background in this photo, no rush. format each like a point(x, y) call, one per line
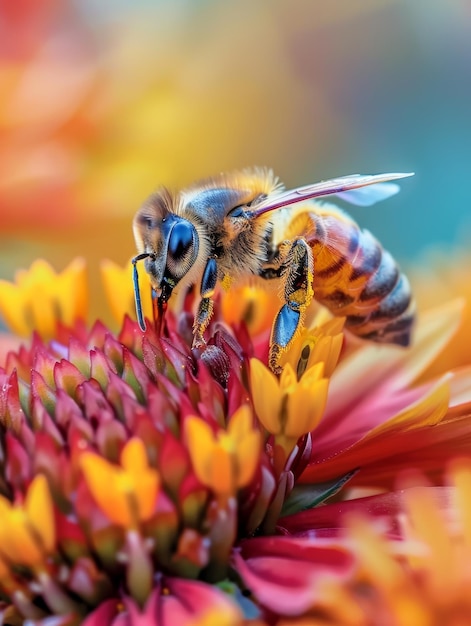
point(101, 101)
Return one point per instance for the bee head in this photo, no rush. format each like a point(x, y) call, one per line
point(170, 242)
point(167, 243)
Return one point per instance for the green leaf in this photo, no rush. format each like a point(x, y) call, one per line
point(305, 497)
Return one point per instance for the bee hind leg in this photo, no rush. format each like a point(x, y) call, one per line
point(297, 291)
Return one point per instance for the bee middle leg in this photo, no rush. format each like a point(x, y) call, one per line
point(205, 306)
point(297, 275)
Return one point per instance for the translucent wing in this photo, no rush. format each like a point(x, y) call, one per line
point(336, 186)
point(367, 196)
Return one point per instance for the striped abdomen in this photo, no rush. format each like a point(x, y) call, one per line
point(355, 277)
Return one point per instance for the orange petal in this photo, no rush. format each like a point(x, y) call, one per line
point(222, 470)
point(103, 479)
point(460, 470)
point(429, 528)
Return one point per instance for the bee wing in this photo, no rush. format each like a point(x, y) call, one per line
point(367, 196)
point(342, 186)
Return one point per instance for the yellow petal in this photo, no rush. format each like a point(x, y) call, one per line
point(248, 455)
point(13, 309)
point(39, 510)
point(201, 444)
point(321, 342)
point(145, 492)
point(313, 374)
point(427, 411)
point(72, 283)
point(240, 423)
point(18, 543)
point(374, 554)
point(145, 480)
point(134, 456)
point(41, 297)
point(305, 408)
point(250, 304)
point(119, 290)
point(288, 378)
point(266, 396)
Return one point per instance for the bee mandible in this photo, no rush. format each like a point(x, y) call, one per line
point(234, 226)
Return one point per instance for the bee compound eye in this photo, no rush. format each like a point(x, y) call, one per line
point(181, 240)
point(238, 211)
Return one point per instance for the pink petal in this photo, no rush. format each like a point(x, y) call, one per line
point(339, 430)
point(283, 573)
point(184, 603)
point(195, 599)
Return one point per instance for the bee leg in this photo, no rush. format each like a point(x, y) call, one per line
point(205, 307)
point(298, 294)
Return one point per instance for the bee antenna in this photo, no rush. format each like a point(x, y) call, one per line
point(137, 291)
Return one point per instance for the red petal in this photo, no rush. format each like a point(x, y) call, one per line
point(104, 614)
point(385, 507)
point(136, 374)
point(67, 377)
point(41, 391)
point(18, 463)
point(131, 336)
point(381, 459)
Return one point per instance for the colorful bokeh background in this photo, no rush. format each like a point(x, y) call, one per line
point(102, 101)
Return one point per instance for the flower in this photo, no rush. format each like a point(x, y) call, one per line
point(165, 473)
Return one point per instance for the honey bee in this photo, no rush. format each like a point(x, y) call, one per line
point(244, 224)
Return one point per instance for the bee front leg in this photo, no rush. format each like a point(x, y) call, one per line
point(205, 307)
point(297, 277)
